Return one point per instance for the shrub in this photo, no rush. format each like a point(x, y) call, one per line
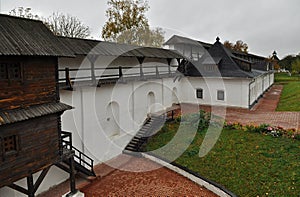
point(296, 136)
point(200, 120)
point(265, 129)
point(234, 125)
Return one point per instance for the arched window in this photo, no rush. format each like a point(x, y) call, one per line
point(151, 102)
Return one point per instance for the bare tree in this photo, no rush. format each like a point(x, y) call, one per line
point(67, 25)
point(24, 13)
point(60, 24)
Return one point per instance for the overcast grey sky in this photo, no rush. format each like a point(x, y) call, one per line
point(265, 25)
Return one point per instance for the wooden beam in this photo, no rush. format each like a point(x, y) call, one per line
point(18, 188)
point(30, 186)
point(141, 59)
point(41, 178)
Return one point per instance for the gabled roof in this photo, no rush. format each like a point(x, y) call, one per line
point(225, 62)
point(175, 39)
point(20, 36)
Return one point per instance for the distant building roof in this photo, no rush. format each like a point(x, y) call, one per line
point(175, 39)
point(20, 36)
point(226, 64)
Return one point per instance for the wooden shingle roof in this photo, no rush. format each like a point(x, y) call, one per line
point(20, 36)
point(21, 114)
point(95, 47)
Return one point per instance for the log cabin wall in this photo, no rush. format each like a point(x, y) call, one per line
point(35, 146)
point(27, 81)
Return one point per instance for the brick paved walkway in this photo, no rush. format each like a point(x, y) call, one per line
point(160, 182)
point(135, 181)
point(262, 113)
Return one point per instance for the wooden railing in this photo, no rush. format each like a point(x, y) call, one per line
point(69, 76)
point(79, 157)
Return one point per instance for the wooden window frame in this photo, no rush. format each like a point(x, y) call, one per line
point(199, 91)
point(222, 94)
point(16, 148)
point(10, 71)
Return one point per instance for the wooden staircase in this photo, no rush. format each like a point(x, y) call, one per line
point(83, 164)
point(150, 127)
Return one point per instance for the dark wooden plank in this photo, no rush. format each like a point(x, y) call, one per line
point(39, 148)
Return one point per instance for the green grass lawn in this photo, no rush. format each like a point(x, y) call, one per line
point(248, 164)
point(290, 97)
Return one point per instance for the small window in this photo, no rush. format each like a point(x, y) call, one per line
point(220, 95)
point(199, 93)
point(10, 71)
point(10, 144)
point(3, 71)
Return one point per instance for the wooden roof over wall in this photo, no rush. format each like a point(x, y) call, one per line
point(95, 47)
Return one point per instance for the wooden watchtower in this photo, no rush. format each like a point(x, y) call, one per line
point(31, 139)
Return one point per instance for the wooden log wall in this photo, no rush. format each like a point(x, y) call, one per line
point(37, 86)
point(38, 148)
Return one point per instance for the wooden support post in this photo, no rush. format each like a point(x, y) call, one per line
point(67, 75)
point(141, 60)
point(120, 72)
point(30, 186)
point(121, 79)
point(169, 65)
point(72, 177)
point(68, 79)
point(157, 72)
point(92, 59)
point(93, 73)
point(141, 72)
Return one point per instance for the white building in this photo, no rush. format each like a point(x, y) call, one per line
point(113, 87)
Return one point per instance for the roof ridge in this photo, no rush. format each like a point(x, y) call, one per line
point(21, 18)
